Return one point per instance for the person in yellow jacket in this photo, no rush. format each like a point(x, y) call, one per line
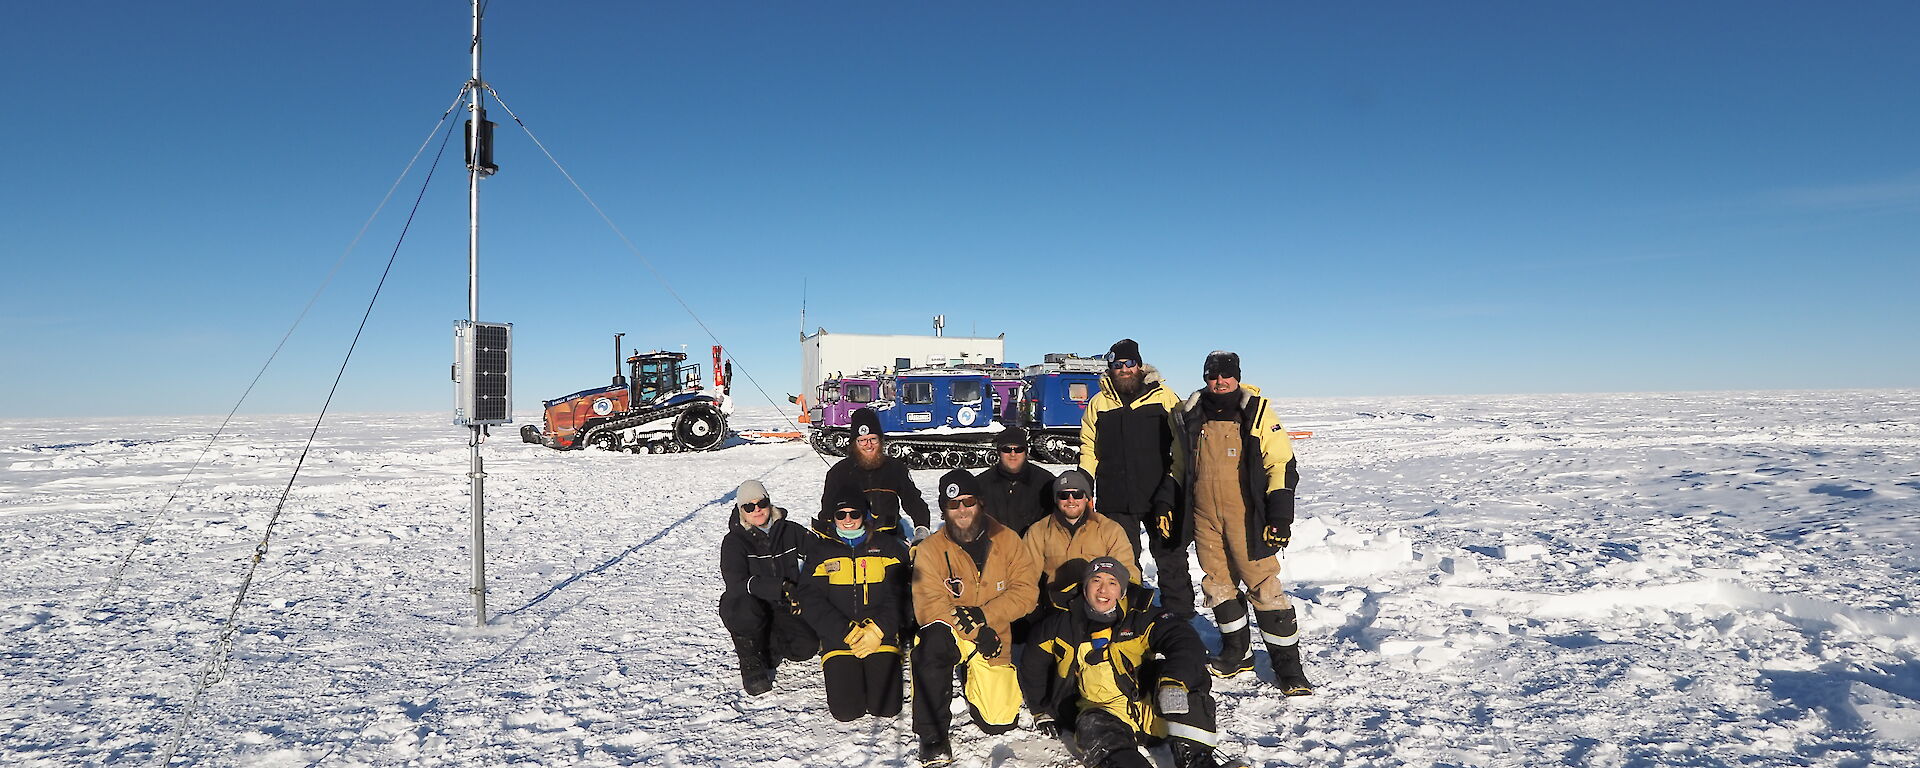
point(971, 579)
point(1126, 446)
point(1063, 543)
point(1236, 474)
point(855, 592)
point(1113, 672)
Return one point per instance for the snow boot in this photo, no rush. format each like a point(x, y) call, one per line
point(1187, 754)
point(754, 676)
point(935, 751)
point(1281, 631)
point(1236, 639)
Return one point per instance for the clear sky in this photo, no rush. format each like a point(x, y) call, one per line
point(1361, 198)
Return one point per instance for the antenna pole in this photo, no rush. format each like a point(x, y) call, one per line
point(477, 117)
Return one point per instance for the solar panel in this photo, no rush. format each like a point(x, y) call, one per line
point(483, 373)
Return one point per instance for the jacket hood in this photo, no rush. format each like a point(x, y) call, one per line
point(1247, 393)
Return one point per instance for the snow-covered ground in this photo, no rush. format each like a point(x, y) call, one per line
point(1610, 580)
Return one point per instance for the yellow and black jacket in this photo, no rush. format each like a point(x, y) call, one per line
point(944, 577)
point(1268, 471)
point(1072, 663)
point(1124, 445)
point(846, 584)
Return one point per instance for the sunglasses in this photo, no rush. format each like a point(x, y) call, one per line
point(1119, 364)
point(849, 514)
point(1071, 495)
point(749, 506)
point(1212, 376)
point(1012, 449)
point(958, 503)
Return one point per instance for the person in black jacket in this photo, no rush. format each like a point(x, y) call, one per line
point(760, 563)
point(1126, 445)
point(882, 480)
point(1017, 492)
point(1114, 671)
point(856, 594)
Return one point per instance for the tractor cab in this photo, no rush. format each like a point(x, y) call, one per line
point(659, 375)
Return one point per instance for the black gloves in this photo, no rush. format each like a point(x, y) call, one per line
point(987, 643)
point(1277, 535)
point(1043, 724)
point(1279, 529)
point(1163, 523)
point(970, 618)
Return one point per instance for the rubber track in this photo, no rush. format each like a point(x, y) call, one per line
point(647, 418)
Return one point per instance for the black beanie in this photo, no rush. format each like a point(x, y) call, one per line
point(852, 501)
point(1222, 363)
point(1011, 436)
point(1125, 349)
point(1106, 565)
point(865, 422)
point(956, 484)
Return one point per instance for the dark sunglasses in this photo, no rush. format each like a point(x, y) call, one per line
point(958, 503)
point(1119, 364)
point(749, 506)
point(849, 514)
point(1212, 376)
point(1012, 449)
point(1071, 495)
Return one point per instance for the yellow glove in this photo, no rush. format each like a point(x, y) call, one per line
point(1164, 521)
point(864, 639)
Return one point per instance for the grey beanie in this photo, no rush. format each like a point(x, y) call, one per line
point(1074, 479)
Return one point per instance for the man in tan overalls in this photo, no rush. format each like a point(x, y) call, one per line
point(1236, 473)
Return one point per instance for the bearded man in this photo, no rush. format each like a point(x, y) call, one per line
point(883, 480)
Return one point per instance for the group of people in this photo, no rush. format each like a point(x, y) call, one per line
point(1028, 591)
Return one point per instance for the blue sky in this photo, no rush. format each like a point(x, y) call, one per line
point(1362, 199)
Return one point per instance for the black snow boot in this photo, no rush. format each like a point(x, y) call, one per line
point(1236, 639)
point(1187, 754)
point(1281, 631)
point(754, 676)
point(935, 751)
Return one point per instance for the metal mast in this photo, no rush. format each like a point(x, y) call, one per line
point(476, 121)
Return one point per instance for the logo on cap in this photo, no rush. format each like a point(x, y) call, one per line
point(953, 490)
point(865, 430)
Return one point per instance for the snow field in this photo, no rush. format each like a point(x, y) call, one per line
point(1607, 580)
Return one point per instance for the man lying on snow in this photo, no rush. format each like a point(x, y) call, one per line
point(760, 563)
point(1091, 675)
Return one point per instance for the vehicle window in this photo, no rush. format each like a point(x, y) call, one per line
point(1077, 391)
point(919, 392)
point(966, 391)
point(829, 393)
point(860, 393)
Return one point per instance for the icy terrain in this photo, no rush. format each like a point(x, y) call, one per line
point(1630, 580)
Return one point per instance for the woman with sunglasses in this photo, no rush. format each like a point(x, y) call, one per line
point(856, 594)
point(760, 563)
